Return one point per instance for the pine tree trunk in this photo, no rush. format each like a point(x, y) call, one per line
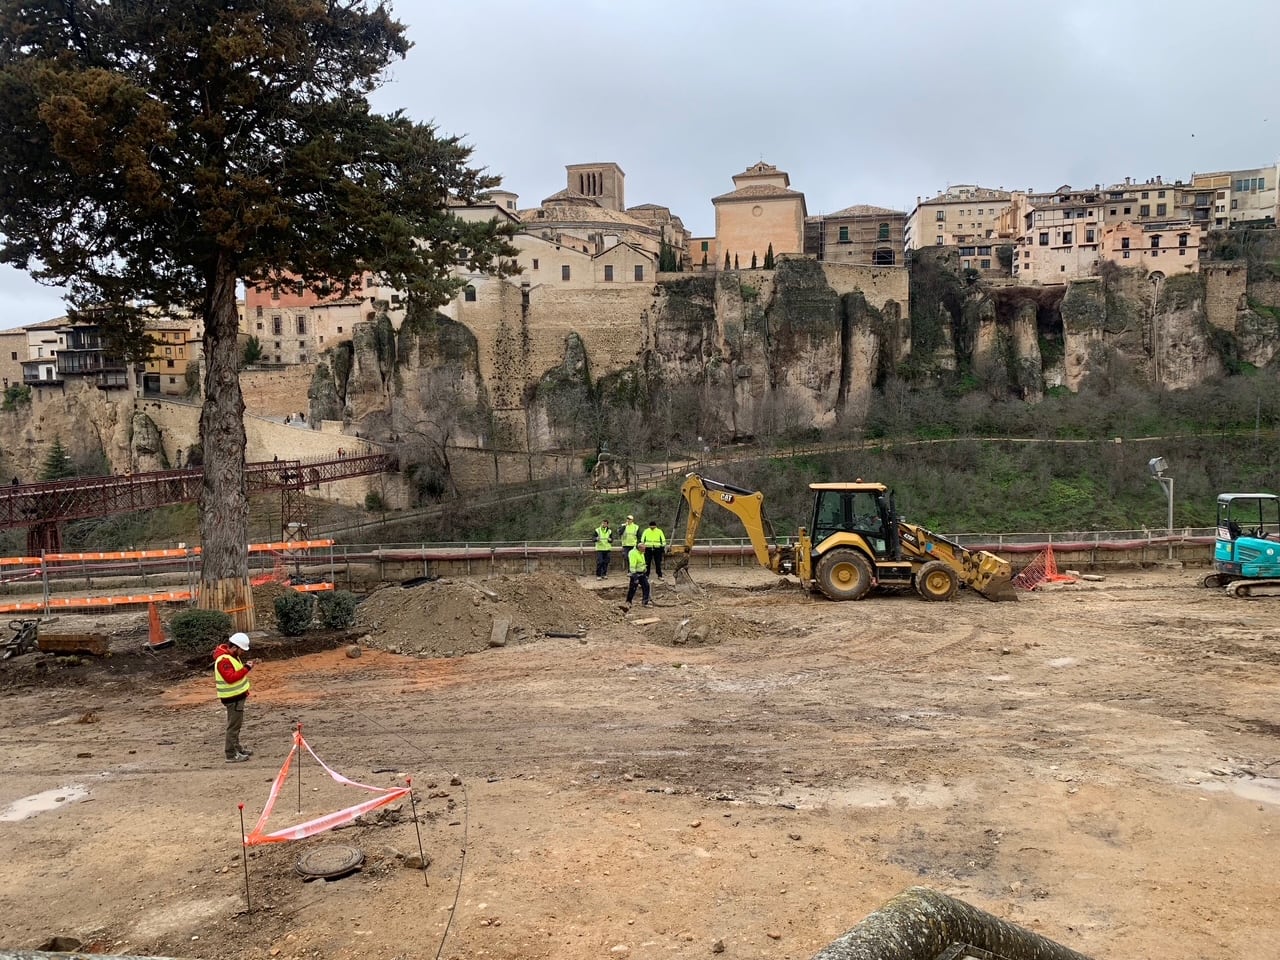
point(224, 500)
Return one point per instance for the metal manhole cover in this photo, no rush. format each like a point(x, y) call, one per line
point(329, 861)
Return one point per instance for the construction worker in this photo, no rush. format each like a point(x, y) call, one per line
point(639, 576)
point(231, 676)
point(630, 532)
point(604, 543)
point(654, 542)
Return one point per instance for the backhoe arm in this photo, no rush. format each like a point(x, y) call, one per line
point(746, 505)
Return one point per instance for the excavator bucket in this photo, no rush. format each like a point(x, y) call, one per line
point(998, 588)
point(681, 580)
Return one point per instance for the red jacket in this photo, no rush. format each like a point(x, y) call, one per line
point(229, 673)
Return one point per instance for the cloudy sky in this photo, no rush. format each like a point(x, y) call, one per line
point(861, 102)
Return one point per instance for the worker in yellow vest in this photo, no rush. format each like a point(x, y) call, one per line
point(604, 543)
point(630, 533)
point(639, 576)
point(231, 677)
point(654, 542)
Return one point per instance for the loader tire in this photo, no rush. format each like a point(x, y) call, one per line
point(936, 581)
point(844, 575)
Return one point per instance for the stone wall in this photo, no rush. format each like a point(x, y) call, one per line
point(1225, 286)
point(276, 392)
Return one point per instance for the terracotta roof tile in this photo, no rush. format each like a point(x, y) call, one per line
point(757, 191)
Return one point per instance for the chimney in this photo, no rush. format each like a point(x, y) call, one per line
point(1158, 179)
point(1126, 182)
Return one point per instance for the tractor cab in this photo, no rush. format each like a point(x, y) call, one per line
point(865, 509)
point(1247, 544)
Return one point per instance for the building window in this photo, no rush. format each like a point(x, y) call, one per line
point(169, 364)
point(706, 245)
point(1162, 209)
point(1145, 195)
point(302, 324)
point(1182, 239)
point(1066, 238)
point(259, 310)
point(985, 264)
point(535, 263)
point(339, 329)
point(1235, 203)
point(1182, 251)
point(608, 273)
point(259, 326)
point(1155, 242)
point(168, 351)
point(1124, 243)
point(984, 251)
point(639, 272)
point(277, 347)
point(1128, 210)
point(1044, 239)
point(13, 356)
point(302, 358)
point(564, 271)
point(882, 232)
point(1160, 195)
point(942, 215)
point(277, 326)
point(844, 234)
point(1113, 211)
point(1144, 210)
point(1088, 236)
point(882, 257)
point(469, 294)
point(938, 241)
point(966, 251)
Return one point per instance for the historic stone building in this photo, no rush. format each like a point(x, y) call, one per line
point(762, 210)
point(857, 234)
point(961, 215)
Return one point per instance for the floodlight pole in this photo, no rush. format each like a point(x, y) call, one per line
point(1167, 483)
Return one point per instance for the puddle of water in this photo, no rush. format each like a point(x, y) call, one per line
point(1258, 789)
point(41, 802)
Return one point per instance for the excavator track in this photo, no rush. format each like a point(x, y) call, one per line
point(1253, 589)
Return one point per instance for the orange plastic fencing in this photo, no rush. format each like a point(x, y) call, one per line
point(122, 600)
point(1042, 569)
point(310, 828)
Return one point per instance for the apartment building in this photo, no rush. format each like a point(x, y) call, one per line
point(295, 325)
point(1162, 248)
point(1061, 236)
point(961, 215)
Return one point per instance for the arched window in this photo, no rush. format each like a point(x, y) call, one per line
point(469, 294)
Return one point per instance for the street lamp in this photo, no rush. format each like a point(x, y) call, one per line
point(1157, 466)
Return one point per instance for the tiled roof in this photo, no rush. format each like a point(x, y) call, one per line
point(757, 191)
point(865, 210)
point(571, 196)
point(976, 194)
point(561, 212)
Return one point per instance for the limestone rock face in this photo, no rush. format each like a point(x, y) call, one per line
point(325, 403)
point(147, 454)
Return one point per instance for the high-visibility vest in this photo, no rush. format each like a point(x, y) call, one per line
point(228, 690)
point(629, 533)
point(604, 538)
point(653, 537)
point(636, 560)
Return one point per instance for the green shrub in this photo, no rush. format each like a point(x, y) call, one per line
point(373, 502)
point(337, 610)
point(200, 629)
point(294, 613)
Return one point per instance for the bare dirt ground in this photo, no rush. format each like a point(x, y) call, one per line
point(1099, 763)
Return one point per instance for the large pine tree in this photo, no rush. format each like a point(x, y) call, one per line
point(163, 150)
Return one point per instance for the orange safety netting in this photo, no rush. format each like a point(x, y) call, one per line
point(319, 824)
point(1042, 569)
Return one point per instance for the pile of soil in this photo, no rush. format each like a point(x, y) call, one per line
point(264, 604)
point(453, 616)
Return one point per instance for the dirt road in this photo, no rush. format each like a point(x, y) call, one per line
point(1100, 763)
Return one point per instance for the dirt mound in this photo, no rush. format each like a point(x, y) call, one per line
point(452, 616)
point(264, 603)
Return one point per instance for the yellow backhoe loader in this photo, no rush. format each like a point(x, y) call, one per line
point(858, 543)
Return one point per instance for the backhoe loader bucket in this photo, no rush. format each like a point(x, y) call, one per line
point(998, 588)
point(681, 580)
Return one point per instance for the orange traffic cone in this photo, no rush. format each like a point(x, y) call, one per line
point(156, 639)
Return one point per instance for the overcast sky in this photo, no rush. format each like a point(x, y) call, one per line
point(860, 102)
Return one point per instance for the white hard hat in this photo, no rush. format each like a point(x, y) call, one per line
point(241, 640)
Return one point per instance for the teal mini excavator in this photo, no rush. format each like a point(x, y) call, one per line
point(1246, 551)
